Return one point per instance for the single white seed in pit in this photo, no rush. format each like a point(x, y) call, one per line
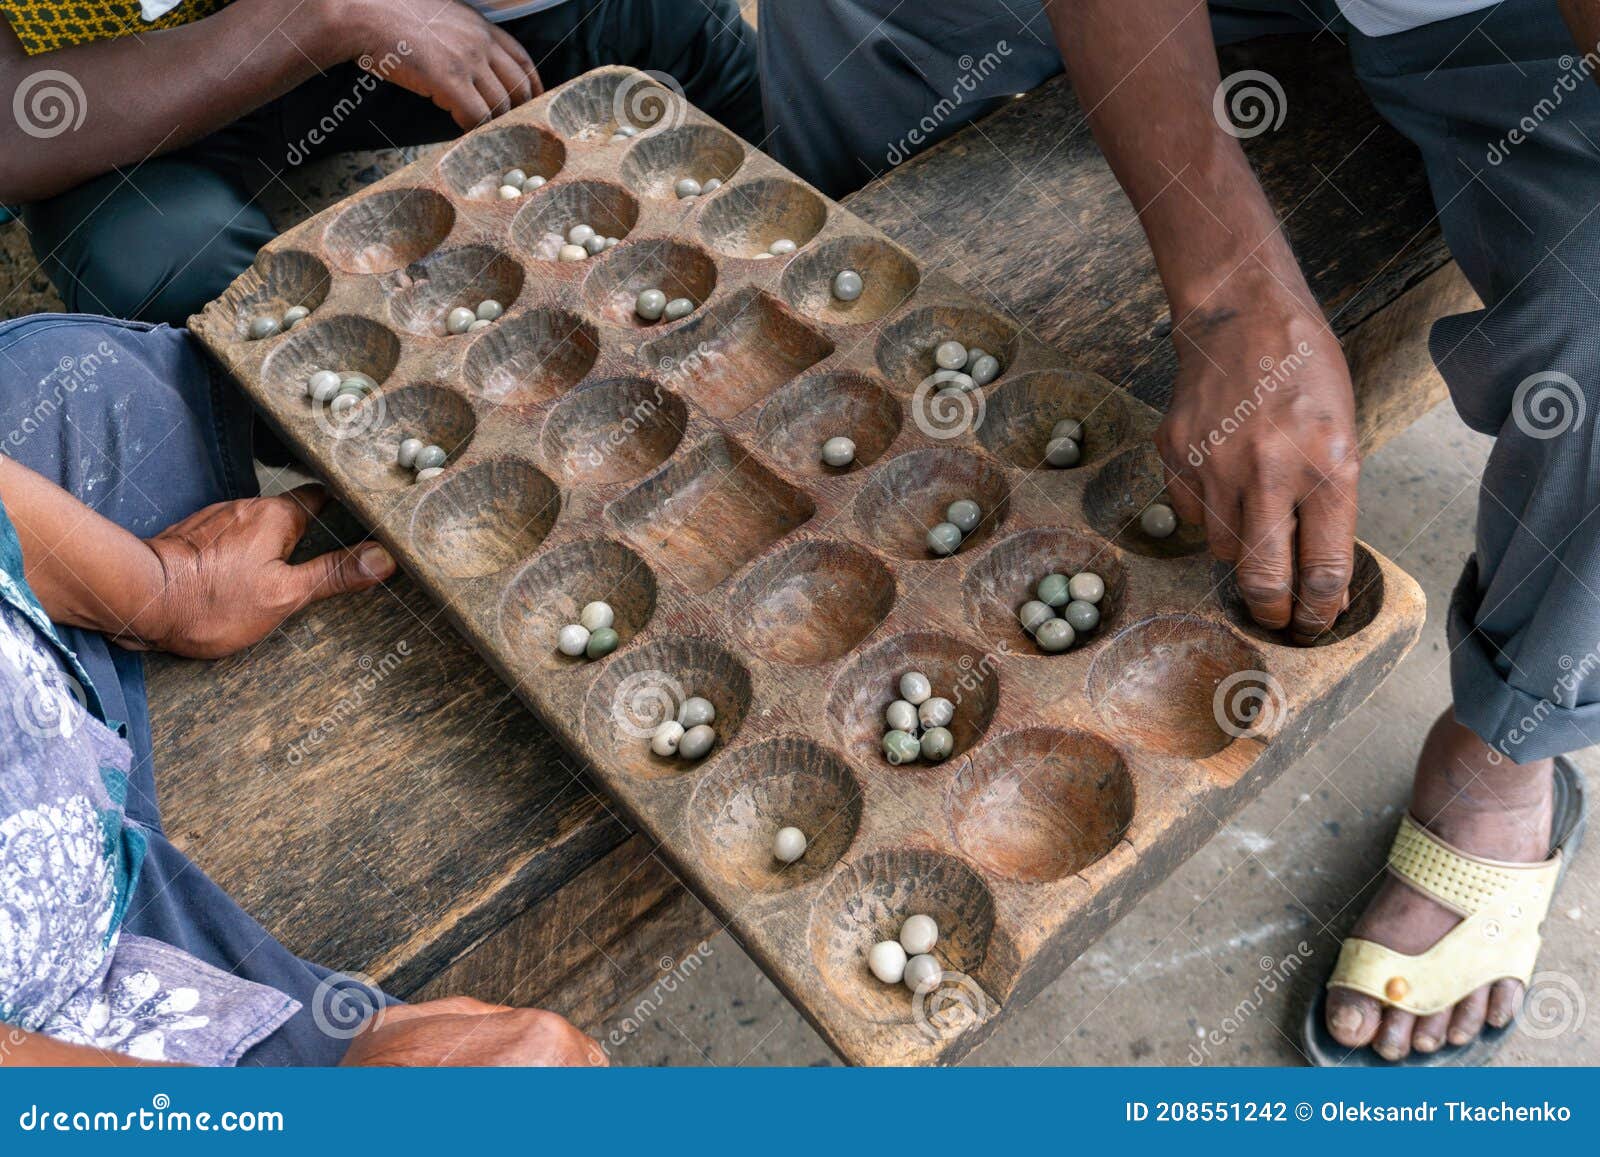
point(901, 716)
point(572, 253)
point(950, 355)
point(923, 974)
point(572, 639)
point(532, 182)
point(847, 285)
point(789, 845)
point(915, 688)
point(838, 451)
point(687, 187)
point(429, 472)
point(1158, 520)
point(578, 234)
point(782, 247)
point(697, 741)
point(696, 710)
point(887, 961)
point(514, 177)
point(667, 738)
point(459, 319)
point(650, 304)
point(481, 323)
point(509, 192)
point(489, 309)
point(678, 307)
point(596, 615)
point(918, 935)
point(406, 455)
point(936, 712)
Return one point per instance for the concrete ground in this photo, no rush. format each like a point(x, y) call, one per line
point(1192, 974)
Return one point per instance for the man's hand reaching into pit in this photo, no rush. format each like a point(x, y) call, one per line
point(1260, 449)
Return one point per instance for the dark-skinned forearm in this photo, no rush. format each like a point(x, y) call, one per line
point(158, 91)
point(85, 569)
point(1583, 19)
point(1146, 75)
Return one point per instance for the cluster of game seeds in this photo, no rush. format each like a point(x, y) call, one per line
point(690, 735)
point(592, 635)
point(909, 959)
point(583, 242)
point(653, 305)
point(265, 325)
point(1065, 447)
point(782, 247)
point(961, 519)
point(688, 188)
point(514, 183)
point(918, 723)
point(1063, 610)
point(424, 457)
point(959, 370)
point(339, 390)
point(463, 320)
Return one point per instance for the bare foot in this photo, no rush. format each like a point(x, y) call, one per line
point(1498, 810)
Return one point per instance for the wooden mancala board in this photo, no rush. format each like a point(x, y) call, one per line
point(672, 469)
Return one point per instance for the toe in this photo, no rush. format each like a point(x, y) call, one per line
point(1467, 1019)
point(1430, 1030)
point(1352, 1017)
point(1393, 1042)
point(1505, 1001)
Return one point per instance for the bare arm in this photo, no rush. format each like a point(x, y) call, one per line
point(35, 1050)
point(1265, 461)
point(1583, 19)
point(153, 93)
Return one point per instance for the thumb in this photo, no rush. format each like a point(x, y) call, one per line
point(341, 572)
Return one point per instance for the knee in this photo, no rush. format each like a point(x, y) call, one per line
point(164, 267)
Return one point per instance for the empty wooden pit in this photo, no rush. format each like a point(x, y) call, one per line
point(541, 228)
point(869, 901)
point(377, 426)
point(1040, 805)
point(593, 107)
point(708, 512)
point(737, 352)
point(812, 601)
point(480, 520)
point(384, 231)
point(889, 279)
point(612, 288)
point(613, 431)
point(959, 672)
point(1006, 577)
point(908, 496)
point(279, 280)
point(799, 418)
point(655, 164)
point(551, 590)
point(1019, 415)
point(1174, 685)
point(1119, 494)
point(528, 360)
point(422, 294)
point(474, 167)
point(744, 220)
point(905, 351)
point(343, 343)
point(641, 688)
point(737, 810)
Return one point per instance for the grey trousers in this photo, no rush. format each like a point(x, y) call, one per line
point(1504, 108)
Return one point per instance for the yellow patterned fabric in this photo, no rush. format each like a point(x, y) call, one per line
point(43, 26)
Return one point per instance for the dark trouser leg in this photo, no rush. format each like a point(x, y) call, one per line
point(131, 420)
point(153, 245)
point(1521, 211)
point(854, 87)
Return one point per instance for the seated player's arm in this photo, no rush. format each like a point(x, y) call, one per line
point(1583, 19)
point(19, 1048)
point(149, 94)
point(1276, 488)
point(213, 584)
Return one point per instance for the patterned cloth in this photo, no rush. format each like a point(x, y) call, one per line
point(69, 859)
point(44, 26)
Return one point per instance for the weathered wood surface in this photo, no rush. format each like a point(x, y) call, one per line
point(400, 889)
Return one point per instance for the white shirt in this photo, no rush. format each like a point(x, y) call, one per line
point(1386, 17)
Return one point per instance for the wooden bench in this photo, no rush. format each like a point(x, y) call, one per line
point(364, 784)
